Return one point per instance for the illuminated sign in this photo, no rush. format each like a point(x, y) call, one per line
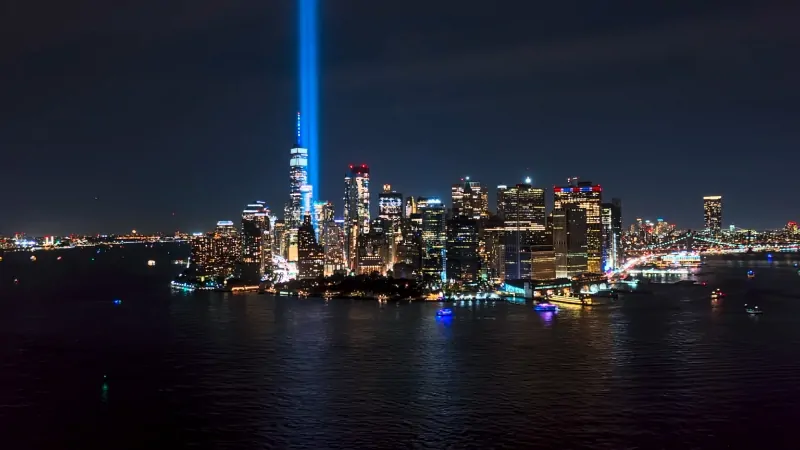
point(567, 190)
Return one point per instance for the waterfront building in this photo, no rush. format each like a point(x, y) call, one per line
point(334, 246)
point(390, 208)
point(311, 258)
point(217, 253)
point(492, 248)
point(433, 237)
point(543, 263)
point(712, 214)
point(570, 241)
point(409, 247)
point(611, 219)
point(469, 200)
point(463, 259)
point(588, 197)
point(522, 209)
point(356, 209)
point(256, 241)
point(374, 248)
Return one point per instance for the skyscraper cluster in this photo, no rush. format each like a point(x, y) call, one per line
point(420, 237)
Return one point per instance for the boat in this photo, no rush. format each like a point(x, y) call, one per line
point(750, 274)
point(582, 300)
point(151, 263)
point(753, 310)
point(33, 258)
point(545, 307)
point(446, 312)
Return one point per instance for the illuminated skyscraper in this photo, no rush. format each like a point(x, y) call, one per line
point(569, 241)
point(390, 208)
point(390, 205)
point(374, 248)
point(522, 208)
point(463, 260)
point(588, 197)
point(256, 241)
point(356, 209)
point(217, 253)
point(433, 237)
point(712, 214)
point(611, 218)
point(334, 246)
point(409, 246)
point(298, 180)
point(470, 200)
point(310, 257)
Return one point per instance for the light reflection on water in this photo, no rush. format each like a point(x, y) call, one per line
point(657, 370)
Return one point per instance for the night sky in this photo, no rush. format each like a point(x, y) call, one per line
point(158, 107)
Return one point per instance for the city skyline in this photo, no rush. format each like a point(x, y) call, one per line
point(166, 135)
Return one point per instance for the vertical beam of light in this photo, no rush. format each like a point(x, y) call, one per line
point(309, 86)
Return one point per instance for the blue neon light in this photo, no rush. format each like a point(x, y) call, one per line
point(309, 84)
point(444, 312)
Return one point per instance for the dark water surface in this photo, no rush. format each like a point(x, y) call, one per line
point(660, 370)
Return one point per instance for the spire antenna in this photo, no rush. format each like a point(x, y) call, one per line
point(299, 141)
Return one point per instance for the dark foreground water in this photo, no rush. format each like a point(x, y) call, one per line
point(660, 370)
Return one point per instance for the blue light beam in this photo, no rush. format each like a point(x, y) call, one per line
point(309, 86)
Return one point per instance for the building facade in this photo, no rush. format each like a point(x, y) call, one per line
point(611, 219)
point(356, 209)
point(256, 241)
point(712, 214)
point(522, 209)
point(434, 238)
point(463, 258)
point(217, 254)
point(588, 197)
point(570, 241)
point(310, 256)
point(469, 200)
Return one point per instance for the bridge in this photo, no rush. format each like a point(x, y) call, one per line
point(691, 241)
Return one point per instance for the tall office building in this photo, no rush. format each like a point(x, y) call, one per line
point(298, 179)
point(356, 209)
point(570, 241)
point(712, 214)
point(279, 239)
point(522, 209)
point(217, 253)
point(470, 200)
point(310, 256)
point(588, 197)
point(256, 241)
point(323, 214)
point(493, 248)
point(433, 237)
point(374, 247)
point(390, 208)
point(611, 219)
point(409, 249)
point(334, 245)
point(390, 205)
point(463, 259)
